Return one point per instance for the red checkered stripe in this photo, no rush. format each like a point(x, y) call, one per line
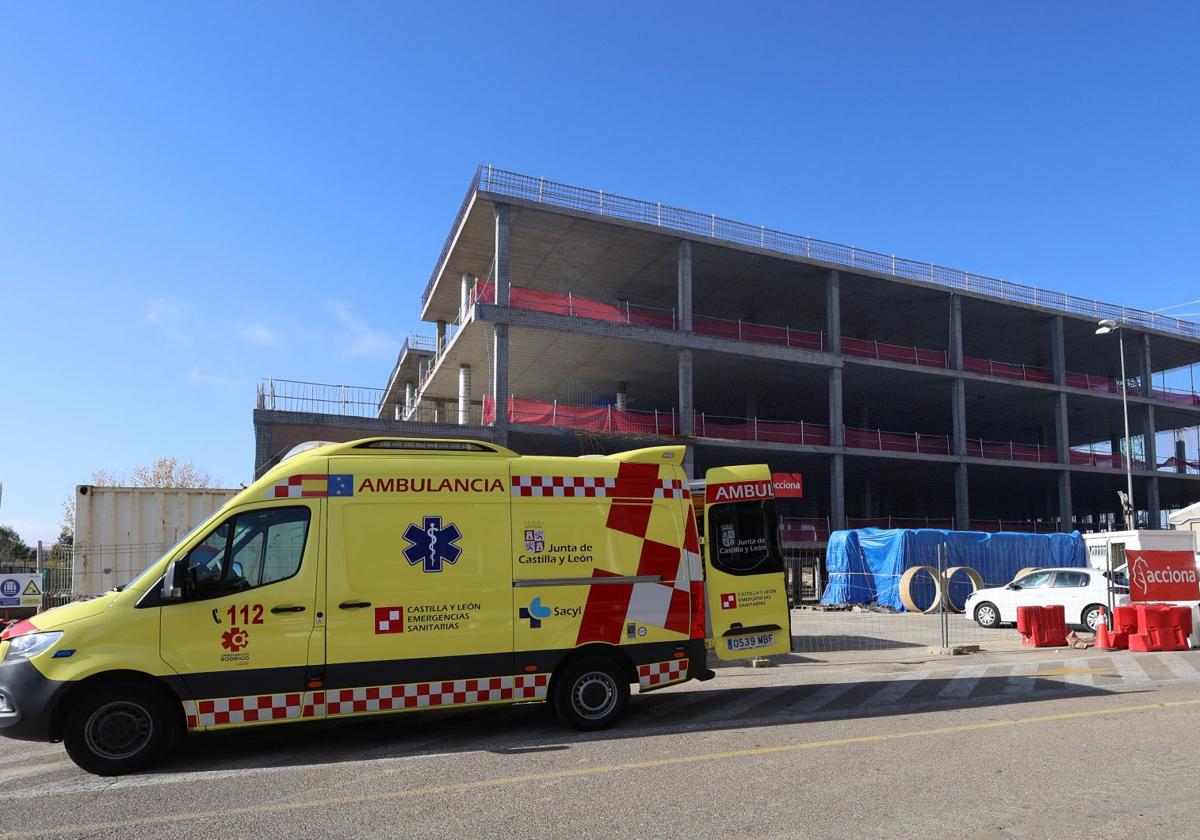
point(672, 488)
point(660, 673)
point(449, 693)
point(348, 701)
point(254, 708)
point(563, 485)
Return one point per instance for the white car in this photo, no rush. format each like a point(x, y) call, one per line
point(1083, 594)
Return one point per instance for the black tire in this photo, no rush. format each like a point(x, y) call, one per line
point(1091, 616)
point(591, 694)
point(119, 728)
point(987, 615)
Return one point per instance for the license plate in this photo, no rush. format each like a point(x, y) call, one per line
point(756, 640)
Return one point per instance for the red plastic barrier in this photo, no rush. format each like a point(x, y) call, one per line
point(1161, 627)
point(1125, 623)
point(1042, 626)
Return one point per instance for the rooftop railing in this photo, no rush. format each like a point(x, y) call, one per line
point(529, 188)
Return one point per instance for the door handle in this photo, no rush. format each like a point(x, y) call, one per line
point(286, 609)
point(353, 605)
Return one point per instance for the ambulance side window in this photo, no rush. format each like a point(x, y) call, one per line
point(744, 538)
point(246, 551)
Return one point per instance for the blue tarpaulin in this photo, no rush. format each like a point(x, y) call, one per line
point(864, 565)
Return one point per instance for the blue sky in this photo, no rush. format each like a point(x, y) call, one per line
point(197, 196)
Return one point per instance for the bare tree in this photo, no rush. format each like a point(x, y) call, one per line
point(165, 472)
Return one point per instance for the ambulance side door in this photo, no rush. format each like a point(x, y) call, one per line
point(245, 602)
point(419, 587)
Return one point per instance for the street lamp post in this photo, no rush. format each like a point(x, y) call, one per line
point(1104, 328)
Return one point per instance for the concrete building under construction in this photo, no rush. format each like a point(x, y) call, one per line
point(570, 320)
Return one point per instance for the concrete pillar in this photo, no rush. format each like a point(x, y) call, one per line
point(1153, 506)
point(1148, 434)
point(837, 492)
point(955, 345)
point(689, 463)
point(687, 415)
point(1145, 369)
point(441, 336)
point(684, 307)
point(409, 395)
point(500, 382)
point(464, 295)
point(1066, 517)
point(622, 396)
point(837, 431)
point(464, 394)
point(868, 498)
point(1180, 456)
point(958, 415)
point(962, 507)
point(833, 311)
point(501, 275)
point(1062, 437)
point(1116, 444)
point(1058, 351)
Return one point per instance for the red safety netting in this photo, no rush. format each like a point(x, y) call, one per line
point(559, 303)
point(758, 333)
point(1000, 451)
point(1093, 383)
point(596, 418)
point(893, 352)
point(802, 529)
point(898, 522)
point(770, 431)
point(897, 441)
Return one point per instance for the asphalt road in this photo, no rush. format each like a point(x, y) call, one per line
point(1056, 744)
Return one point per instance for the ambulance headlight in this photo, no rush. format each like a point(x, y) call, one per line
point(24, 647)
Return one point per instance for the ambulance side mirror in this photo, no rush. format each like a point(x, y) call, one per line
point(175, 580)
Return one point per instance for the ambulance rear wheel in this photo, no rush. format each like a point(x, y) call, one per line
point(591, 694)
point(119, 728)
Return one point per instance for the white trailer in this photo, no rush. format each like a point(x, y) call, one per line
point(120, 530)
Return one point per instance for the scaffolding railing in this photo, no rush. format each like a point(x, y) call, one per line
point(503, 182)
point(320, 398)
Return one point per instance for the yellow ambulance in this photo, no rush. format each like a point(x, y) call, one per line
point(391, 574)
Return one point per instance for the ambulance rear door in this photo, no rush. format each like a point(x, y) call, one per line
point(743, 564)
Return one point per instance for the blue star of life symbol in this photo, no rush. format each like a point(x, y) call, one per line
point(432, 544)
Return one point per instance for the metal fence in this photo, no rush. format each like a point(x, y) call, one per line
point(502, 182)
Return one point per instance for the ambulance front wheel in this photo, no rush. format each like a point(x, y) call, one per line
point(591, 693)
point(119, 728)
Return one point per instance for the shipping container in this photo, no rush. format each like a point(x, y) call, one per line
point(120, 530)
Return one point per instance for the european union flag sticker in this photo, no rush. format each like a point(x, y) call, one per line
point(341, 485)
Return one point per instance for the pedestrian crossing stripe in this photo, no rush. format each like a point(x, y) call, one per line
point(32, 589)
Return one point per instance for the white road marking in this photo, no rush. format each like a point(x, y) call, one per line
point(1128, 669)
point(963, 683)
point(897, 690)
point(1180, 666)
point(98, 785)
point(1020, 680)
